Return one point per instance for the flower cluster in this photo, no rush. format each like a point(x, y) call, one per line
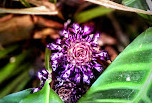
point(68, 91)
point(43, 75)
point(74, 62)
point(75, 55)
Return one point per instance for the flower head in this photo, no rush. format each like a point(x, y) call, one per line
point(75, 54)
point(68, 91)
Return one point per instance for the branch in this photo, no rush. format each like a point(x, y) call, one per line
point(42, 10)
point(111, 4)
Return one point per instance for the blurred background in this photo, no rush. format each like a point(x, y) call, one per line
point(23, 37)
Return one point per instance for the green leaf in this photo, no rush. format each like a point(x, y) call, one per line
point(91, 14)
point(140, 4)
point(47, 59)
point(5, 51)
point(129, 78)
point(25, 3)
point(46, 95)
point(15, 97)
point(53, 1)
point(15, 83)
point(10, 67)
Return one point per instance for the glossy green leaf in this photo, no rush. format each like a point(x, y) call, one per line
point(25, 3)
point(15, 97)
point(140, 4)
point(46, 95)
point(129, 78)
point(91, 13)
point(47, 59)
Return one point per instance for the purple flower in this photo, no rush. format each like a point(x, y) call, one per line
point(43, 75)
point(75, 55)
point(68, 91)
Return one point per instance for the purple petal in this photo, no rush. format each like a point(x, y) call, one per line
point(54, 65)
point(36, 90)
point(44, 71)
point(67, 23)
point(76, 70)
point(54, 62)
point(88, 38)
point(77, 78)
point(67, 41)
point(98, 67)
point(87, 30)
point(86, 79)
point(76, 28)
point(39, 75)
point(96, 37)
point(65, 33)
point(56, 56)
point(78, 36)
point(104, 55)
point(66, 74)
point(54, 46)
point(58, 41)
point(89, 72)
point(66, 67)
point(83, 68)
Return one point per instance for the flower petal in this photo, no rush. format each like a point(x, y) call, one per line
point(104, 55)
point(54, 65)
point(66, 74)
point(98, 67)
point(56, 56)
point(65, 33)
point(87, 30)
point(76, 28)
point(86, 79)
point(54, 46)
point(96, 37)
point(36, 90)
point(39, 75)
point(77, 78)
point(58, 41)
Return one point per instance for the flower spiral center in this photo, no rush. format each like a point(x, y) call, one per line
point(79, 53)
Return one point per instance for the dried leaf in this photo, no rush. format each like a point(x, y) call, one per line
point(106, 40)
point(47, 4)
point(47, 22)
point(46, 32)
point(42, 10)
point(15, 29)
point(5, 18)
point(111, 4)
point(112, 52)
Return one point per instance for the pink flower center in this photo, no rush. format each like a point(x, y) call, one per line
point(79, 53)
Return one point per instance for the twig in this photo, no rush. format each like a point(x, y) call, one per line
point(42, 10)
point(111, 4)
point(120, 35)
